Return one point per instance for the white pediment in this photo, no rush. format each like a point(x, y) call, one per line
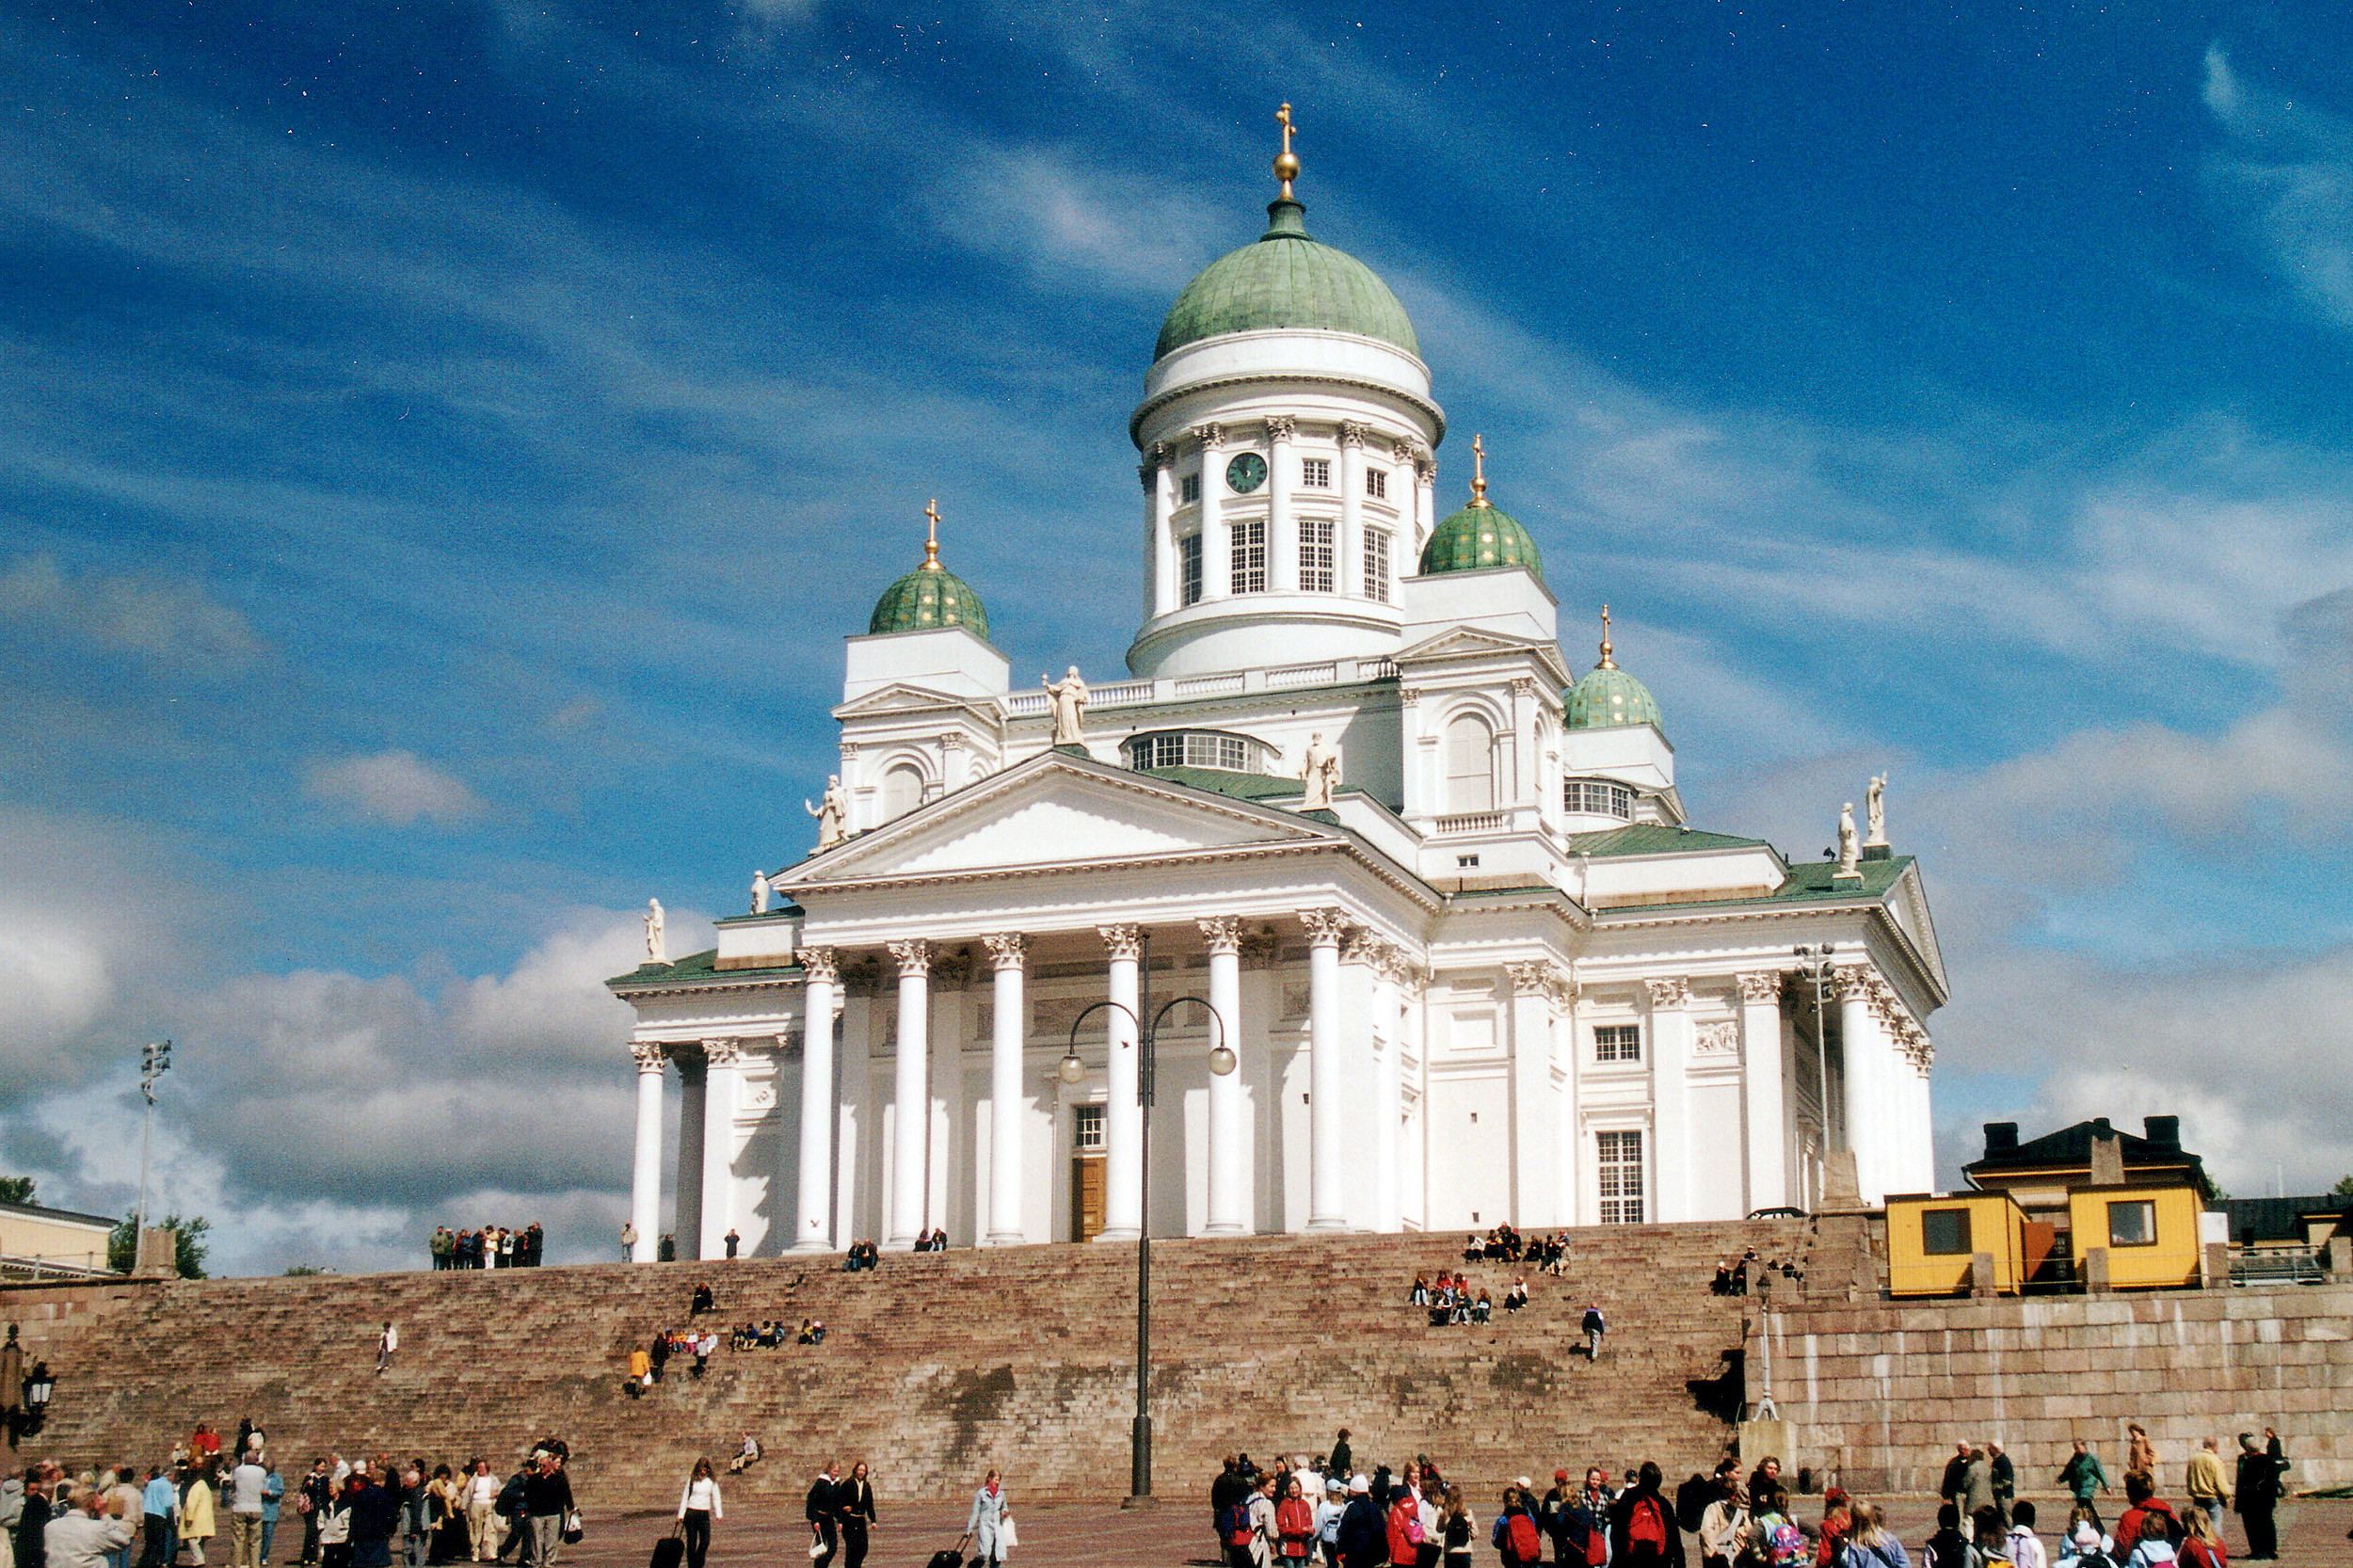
point(899, 699)
point(1908, 903)
point(1468, 641)
point(1051, 811)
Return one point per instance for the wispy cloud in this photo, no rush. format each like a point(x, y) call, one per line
point(2287, 167)
point(177, 624)
point(393, 787)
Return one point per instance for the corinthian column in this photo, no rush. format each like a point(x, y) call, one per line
point(1859, 1045)
point(720, 1072)
point(911, 1105)
point(644, 1187)
point(1762, 1109)
point(1007, 954)
point(1123, 1116)
point(1671, 1096)
point(1326, 1126)
point(821, 983)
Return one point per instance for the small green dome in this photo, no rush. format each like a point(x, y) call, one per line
point(926, 600)
point(1607, 697)
point(1286, 279)
point(1480, 536)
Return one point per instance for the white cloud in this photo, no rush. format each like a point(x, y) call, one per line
point(175, 623)
point(2289, 170)
point(393, 787)
point(1070, 224)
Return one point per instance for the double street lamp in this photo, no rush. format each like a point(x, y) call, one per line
point(1072, 1070)
point(1814, 962)
point(154, 1061)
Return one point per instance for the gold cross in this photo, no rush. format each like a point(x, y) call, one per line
point(1284, 115)
point(1479, 470)
point(931, 545)
point(1286, 164)
point(1604, 639)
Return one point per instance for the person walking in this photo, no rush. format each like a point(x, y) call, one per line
point(2084, 1478)
point(1364, 1542)
point(479, 1499)
point(1594, 1327)
point(1643, 1530)
point(857, 1508)
point(547, 1498)
point(989, 1523)
point(197, 1523)
point(823, 1510)
point(273, 1499)
point(698, 1506)
point(245, 1512)
point(159, 1504)
point(386, 1341)
point(2258, 1493)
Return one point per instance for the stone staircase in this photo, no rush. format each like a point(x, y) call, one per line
point(940, 1364)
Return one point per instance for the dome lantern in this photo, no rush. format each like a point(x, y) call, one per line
point(1607, 696)
point(931, 597)
point(1481, 535)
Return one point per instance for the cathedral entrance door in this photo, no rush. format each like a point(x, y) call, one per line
point(1086, 1196)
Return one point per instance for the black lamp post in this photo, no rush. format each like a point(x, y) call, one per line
point(1220, 1063)
point(1818, 967)
point(38, 1387)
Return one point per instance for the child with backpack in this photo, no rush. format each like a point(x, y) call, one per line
point(2026, 1548)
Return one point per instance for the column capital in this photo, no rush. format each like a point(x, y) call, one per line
point(1325, 927)
point(1408, 695)
point(1353, 434)
point(1211, 436)
point(951, 741)
point(1222, 932)
point(650, 1055)
point(1672, 992)
point(1404, 451)
point(1533, 978)
point(1363, 946)
point(1122, 941)
point(1260, 950)
point(1852, 984)
point(1007, 949)
point(1762, 986)
point(819, 967)
point(913, 959)
point(1523, 688)
point(1281, 428)
point(952, 968)
point(722, 1053)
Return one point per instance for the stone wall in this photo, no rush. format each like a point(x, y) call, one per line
point(1875, 1393)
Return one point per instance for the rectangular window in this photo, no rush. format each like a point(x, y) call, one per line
point(1315, 556)
point(1377, 484)
point(1249, 540)
point(1944, 1232)
point(1377, 565)
point(1086, 1127)
point(1188, 569)
point(1618, 1043)
point(1189, 489)
point(2133, 1224)
point(1233, 754)
point(1316, 472)
point(1601, 800)
point(1621, 1173)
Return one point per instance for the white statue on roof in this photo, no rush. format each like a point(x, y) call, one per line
point(657, 942)
point(1875, 810)
point(1322, 773)
point(1849, 845)
point(759, 893)
point(1069, 697)
point(832, 814)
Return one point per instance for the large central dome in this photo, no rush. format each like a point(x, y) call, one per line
point(1287, 279)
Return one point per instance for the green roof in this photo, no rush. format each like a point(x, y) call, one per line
point(1647, 838)
point(926, 600)
point(695, 966)
point(1607, 696)
point(1478, 538)
point(1814, 881)
point(1286, 279)
point(1240, 786)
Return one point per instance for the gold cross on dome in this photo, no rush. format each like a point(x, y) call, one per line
point(1285, 163)
point(931, 545)
point(1479, 470)
point(1604, 639)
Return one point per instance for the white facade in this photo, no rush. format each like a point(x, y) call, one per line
point(1499, 979)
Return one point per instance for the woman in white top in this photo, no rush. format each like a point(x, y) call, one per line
point(697, 1507)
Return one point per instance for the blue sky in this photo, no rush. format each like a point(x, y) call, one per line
point(442, 447)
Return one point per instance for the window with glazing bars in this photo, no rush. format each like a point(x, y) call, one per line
point(1377, 565)
point(1189, 489)
point(1316, 472)
point(1606, 800)
point(1086, 1127)
point(1377, 484)
point(1315, 556)
point(1249, 540)
point(1621, 1178)
point(1188, 569)
point(1618, 1043)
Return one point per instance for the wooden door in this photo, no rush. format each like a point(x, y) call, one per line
point(1086, 1197)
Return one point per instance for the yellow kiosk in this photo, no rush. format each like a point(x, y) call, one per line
point(2150, 1234)
point(1933, 1241)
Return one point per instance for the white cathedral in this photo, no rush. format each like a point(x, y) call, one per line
point(1411, 917)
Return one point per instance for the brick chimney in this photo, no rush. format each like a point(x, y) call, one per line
point(2000, 1138)
point(2164, 1131)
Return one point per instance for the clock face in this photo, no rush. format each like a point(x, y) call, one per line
point(1245, 473)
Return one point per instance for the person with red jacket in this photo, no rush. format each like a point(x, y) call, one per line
point(1404, 1525)
point(2141, 1501)
point(1294, 1524)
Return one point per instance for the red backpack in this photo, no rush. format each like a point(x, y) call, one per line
point(1646, 1525)
point(1521, 1532)
point(1238, 1526)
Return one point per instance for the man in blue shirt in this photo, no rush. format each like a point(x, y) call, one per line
point(159, 1504)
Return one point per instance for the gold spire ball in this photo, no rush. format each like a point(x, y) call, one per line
point(1606, 662)
point(1479, 470)
point(931, 545)
point(1285, 164)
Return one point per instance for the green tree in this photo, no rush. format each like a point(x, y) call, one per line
point(123, 1244)
point(16, 1188)
point(2344, 1189)
point(302, 1270)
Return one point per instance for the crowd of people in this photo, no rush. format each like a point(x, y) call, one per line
point(1752, 1272)
point(490, 1247)
point(1301, 1510)
point(355, 1514)
point(863, 1256)
point(769, 1333)
point(1504, 1244)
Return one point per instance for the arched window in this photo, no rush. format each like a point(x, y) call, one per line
point(902, 792)
point(1470, 769)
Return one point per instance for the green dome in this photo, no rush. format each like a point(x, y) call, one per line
point(926, 600)
point(1607, 696)
point(1480, 536)
point(1286, 279)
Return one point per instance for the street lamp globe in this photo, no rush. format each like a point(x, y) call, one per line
point(1072, 1069)
point(1222, 1059)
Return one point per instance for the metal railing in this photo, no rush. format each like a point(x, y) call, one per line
point(2279, 1266)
